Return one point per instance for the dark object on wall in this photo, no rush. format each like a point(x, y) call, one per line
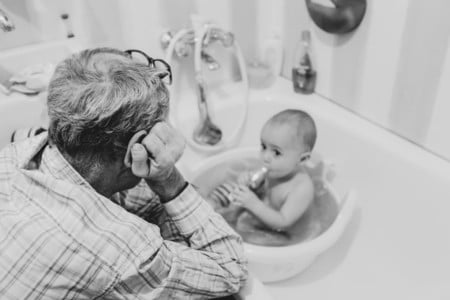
point(341, 16)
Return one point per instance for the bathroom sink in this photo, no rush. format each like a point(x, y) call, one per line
point(16, 59)
point(18, 110)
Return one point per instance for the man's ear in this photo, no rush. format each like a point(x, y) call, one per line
point(305, 156)
point(136, 138)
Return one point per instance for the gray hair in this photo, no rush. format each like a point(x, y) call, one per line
point(98, 98)
point(301, 121)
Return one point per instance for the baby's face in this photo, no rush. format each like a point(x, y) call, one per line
point(281, 150)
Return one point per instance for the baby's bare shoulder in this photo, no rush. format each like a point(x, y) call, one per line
point(302, 178)
point(303, 183)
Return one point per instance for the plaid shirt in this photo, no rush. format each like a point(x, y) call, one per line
point(60, 239)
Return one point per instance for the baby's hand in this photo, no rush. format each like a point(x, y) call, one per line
point(243, 178)
point(243, 196)
point(222, 193)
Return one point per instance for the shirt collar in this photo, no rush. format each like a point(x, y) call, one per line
point(54, 163)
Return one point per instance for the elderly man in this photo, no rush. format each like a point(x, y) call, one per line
point(96, 208)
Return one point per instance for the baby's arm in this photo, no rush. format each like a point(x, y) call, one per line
point(293, 208)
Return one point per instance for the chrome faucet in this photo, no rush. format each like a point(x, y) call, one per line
point(5, 23)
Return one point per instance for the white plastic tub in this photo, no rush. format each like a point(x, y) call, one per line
point(275, 263)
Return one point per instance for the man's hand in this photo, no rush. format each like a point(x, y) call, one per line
point(154, 160)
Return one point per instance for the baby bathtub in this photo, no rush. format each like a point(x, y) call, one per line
point(397, 244)
point(275, 263)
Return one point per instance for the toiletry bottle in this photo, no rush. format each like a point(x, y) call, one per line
point(303, 73)
point(266, 67)
point(272, 54)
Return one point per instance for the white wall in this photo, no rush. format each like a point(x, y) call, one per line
point(35, 21)
point(438, 137)
point(392, 70)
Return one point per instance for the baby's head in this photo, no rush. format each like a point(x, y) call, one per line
point(287, 140)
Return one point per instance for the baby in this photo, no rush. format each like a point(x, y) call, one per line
point(287, 140)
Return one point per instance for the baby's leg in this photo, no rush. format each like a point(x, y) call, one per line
point(247, 222)
point(255, 232)
point(231, 213)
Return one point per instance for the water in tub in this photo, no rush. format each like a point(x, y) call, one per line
point(318, 217)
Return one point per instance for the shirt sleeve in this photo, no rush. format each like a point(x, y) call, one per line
point(143, 202)
point(213, 264)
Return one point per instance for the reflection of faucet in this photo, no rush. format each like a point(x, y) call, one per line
point(5, 23)
point(206, 133)
point(195, 40)
point(184, 45)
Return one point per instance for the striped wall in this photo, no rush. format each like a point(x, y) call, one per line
point(394, 70)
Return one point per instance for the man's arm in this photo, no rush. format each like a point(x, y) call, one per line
point(213, 265)
point(144, 203)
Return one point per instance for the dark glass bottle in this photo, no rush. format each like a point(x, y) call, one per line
point(303, 73)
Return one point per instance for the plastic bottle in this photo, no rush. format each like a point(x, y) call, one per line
point(263, 71)
point(303, 73)
point(272, 54)
point(257, 178)
point(260, 75)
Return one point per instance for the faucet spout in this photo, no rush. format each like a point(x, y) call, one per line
point(206, 133)
point(5, 23)
point(210, 61)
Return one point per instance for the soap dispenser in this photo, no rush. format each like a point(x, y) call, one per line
point(303, 73)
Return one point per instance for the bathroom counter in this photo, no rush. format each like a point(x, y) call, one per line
point(397, 245)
